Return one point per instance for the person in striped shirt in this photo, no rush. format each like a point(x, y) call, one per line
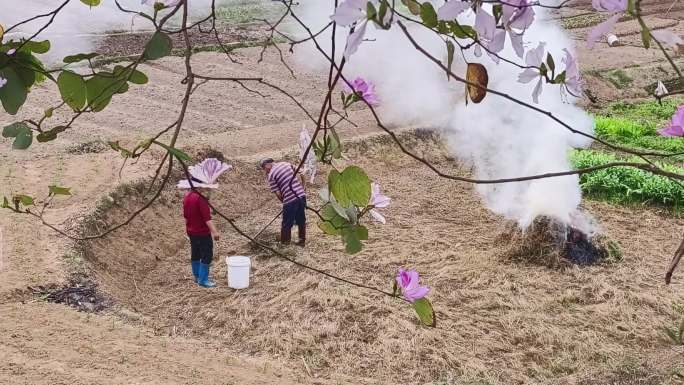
point(289, 188)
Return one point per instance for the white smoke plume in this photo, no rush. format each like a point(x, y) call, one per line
point(79, 28)
point(499, 138)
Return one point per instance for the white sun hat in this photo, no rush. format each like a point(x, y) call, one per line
point(205, 174)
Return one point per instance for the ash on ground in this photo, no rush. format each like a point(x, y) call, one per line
point(555, 244)
point(81, 293)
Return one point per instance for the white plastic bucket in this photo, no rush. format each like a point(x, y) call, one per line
point(613, 40)
point(238, 271)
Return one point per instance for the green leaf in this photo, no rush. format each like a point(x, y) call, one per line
point(646, 37)
point(462, 31)
point(138, 77)
point(352, 237)
point(413, 6)
point(23, 199)
point(383, 11)
point(100, 89)
point(395, 288)
point(370, 11)
point(425, 312)
point(560, 78)
point(351, 186)
point(450, 55)
point(91, 3)
point(5, 203)
point(79, 57)
point(428, 14)
point(22, 134)
point(12, 130)
point(13, 94)
point(23, 139)
point(180, 155)
point(72, 87)
point(159, 46)
point(56, 190)
point(47, 136)
point(333, 222)
point(498, 11)
point(550, 63)
point(37, 46)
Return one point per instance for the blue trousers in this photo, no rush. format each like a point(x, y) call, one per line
point(294, 213)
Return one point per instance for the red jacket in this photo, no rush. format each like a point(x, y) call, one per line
point(197, 214)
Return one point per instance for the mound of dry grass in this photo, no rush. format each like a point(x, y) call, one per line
point(553, 244)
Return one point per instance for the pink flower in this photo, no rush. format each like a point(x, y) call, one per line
point(348, 13)
point(676, 127)
point(407, 281)
point(363, 89)
point(378, 201)
point(11, 51)
point(491, 38)
point(3, 81)
point(451, 9)
point(573, 79)
point(533, 58)
point(518, 14)
point(309, 166)
point(609, 5)
point(205, 174)
point(617, 7)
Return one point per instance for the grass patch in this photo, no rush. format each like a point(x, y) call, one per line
point(619, 79)
point(583, 21)
point(635, 125)
point(625, 185)
point(651, 114)
point(247, 11)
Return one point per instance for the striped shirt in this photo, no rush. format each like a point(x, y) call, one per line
point(279, 179)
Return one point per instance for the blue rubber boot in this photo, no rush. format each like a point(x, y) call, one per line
point(203, 279)
point(195, 269)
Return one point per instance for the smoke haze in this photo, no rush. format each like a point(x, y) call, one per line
point(499, 138)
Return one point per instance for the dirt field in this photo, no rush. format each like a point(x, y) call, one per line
point(499, 322)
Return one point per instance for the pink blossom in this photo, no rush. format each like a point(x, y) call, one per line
point(617, 8)
point(3, 81)
point(365, 90)
point(601, 30)
point(451, 9)
point(609, 5)
point(11, 51)
point(407, 281)
point(378, 201)
point(518, 14)
point(207, 173)
point(676, 126)
point(573, 79)
point(534, 58)
point(491, 38)
point(517, 43)
point(348, 13)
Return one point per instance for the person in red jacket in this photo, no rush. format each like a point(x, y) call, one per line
point(198, 223)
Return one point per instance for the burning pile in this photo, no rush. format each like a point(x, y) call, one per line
point(555, 244)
